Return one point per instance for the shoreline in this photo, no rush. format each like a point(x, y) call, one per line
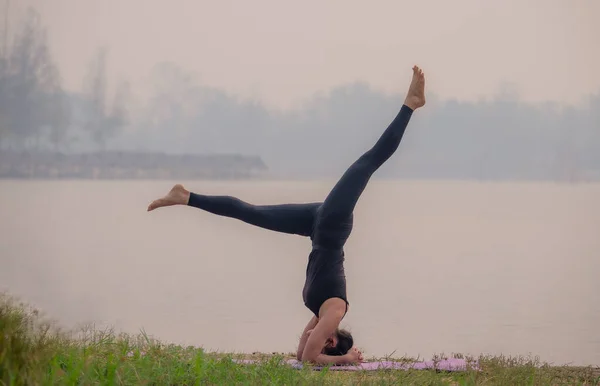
point(119, 165)
point(157, 166)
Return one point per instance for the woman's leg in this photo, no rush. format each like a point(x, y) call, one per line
point(342, 199)
point(286, 218)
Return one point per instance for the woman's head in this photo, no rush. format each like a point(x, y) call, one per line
point(339, 343)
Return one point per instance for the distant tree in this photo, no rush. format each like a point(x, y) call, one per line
point(102, 122)
point(32, 101)
point(59, 116)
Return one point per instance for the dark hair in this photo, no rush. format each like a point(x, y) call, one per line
point(345, 343)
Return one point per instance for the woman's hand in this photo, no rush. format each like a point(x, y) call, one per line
point(354, 356)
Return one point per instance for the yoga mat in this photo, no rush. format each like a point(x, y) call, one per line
point(452, 364)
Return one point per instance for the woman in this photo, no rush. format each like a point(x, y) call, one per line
point(328, 224)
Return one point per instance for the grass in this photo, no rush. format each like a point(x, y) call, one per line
point(35, 352)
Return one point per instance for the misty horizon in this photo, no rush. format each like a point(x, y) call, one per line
point(499, 135)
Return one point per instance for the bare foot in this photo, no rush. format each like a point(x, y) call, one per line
point(177, 196)
point(415, 97)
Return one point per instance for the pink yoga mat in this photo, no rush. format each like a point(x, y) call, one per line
point(452, 364)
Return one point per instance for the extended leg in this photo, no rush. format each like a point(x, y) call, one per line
point(287, 218)
point(342, 199)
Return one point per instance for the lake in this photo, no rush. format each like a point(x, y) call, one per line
point(432, 266)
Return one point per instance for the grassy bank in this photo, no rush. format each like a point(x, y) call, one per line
point(35, 352)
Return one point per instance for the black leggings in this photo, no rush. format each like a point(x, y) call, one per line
point(300, 219)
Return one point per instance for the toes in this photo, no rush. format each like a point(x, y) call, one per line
point(418, 71)
point(153, 205)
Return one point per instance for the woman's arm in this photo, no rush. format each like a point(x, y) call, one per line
point(325, 327)
point(305, 334)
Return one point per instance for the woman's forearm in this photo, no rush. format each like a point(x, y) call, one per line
point(302, 344)
point(305, 335)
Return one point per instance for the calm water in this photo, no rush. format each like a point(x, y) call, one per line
point(432, 267)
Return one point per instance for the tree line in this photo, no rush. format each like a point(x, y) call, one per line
point(497, 137)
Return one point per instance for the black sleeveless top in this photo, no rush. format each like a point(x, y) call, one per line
point(325, 275)
point(325, 278)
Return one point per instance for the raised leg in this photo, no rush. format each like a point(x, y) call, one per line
point(340, 203)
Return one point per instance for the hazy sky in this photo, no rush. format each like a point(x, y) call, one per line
point(282, 52)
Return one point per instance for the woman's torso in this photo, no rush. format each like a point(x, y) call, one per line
point(325, 274)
